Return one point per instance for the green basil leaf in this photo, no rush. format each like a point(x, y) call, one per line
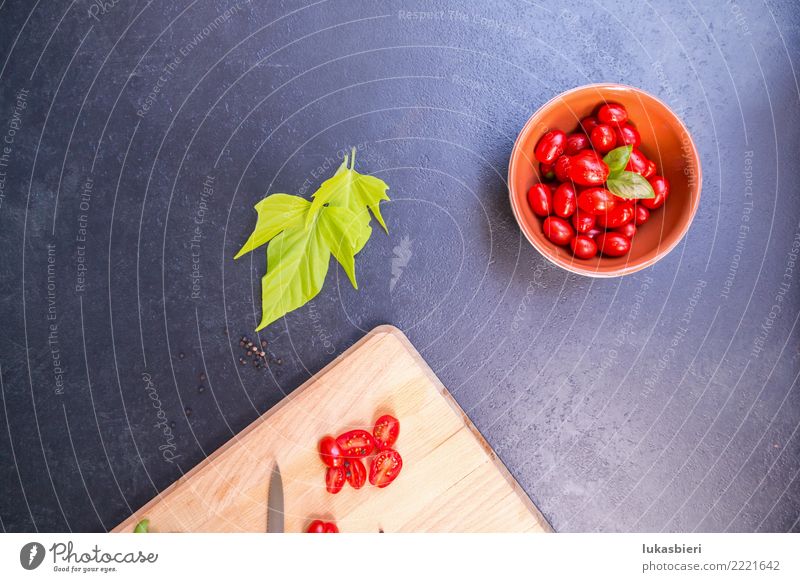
point(617, 159)
point(630, 185)
point(276, 213)
point(345, 232)
point(297, 263)
point(351, 190)
point(142, 527)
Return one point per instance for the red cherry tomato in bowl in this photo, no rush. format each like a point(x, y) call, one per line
point(583, 247)
point(661, 188)
point(385, 467)
point(577, 142)
point(557, 230)
point(627, 229)
point(561, 168)
point(613, 244)
point(583, 221)
point(550, 146)
point(588, 124)
point(329, 451)
point(386, 431)
point(334, 479)
point(642, 214)
point(603, 138)
point(355, 473)
point(612, 114)
point(597, 200)
point(587, 168)
point(356, 443)
point(637, 162)
point(541, 199)
point(565, 201)
point(627, 135)
point(621, 214)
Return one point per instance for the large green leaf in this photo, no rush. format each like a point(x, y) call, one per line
point(276, 213)
point(630, 185)
point(345, 232)
point(297, 263)
point(351, 190)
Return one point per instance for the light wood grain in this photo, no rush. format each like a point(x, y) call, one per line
point(451, 479)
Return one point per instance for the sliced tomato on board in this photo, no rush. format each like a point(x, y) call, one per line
point(334, 479)
point(385, 467)
point(356, 443)
point(386, 431)
point(355, 472)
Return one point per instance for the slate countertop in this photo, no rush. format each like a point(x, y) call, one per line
point(136, 137)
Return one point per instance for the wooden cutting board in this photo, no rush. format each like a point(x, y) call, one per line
point(451, 478)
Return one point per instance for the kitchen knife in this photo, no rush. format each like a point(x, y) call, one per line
point(275, 502)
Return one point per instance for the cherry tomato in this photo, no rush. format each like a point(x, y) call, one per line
point(661, 188)
point(583, 247)
point(557, 230)
point(355, 473)
point(541, 199)
point(603, 138)
point(627, 135)
point(588, 124)
point(546, 171)
point(612, 113)
point(319, 526)
point(587, 168)
point(386, 431)
point(621, 214)
point(334, 479)
point(650, 170)
point(583, 221)
point(550, 146)
point(356, 443)
point(385, 467)
point(596, 201)
point(642, 214)
point(329, 451)
point(561, 169)
point(577, 142)
point(565, 201)
point(613, 244)
point(637, 162)
point(627, 229)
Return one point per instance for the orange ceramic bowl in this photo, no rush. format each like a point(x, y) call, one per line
point(665, 140)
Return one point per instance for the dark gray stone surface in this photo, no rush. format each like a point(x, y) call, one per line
point(643, 403)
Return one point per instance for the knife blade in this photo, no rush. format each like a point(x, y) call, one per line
point(275, 502)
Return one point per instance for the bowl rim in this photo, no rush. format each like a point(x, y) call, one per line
point(572, 267)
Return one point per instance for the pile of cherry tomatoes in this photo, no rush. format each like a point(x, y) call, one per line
point(343, 457)
point(577, 208)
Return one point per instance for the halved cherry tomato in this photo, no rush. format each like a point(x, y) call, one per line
point(661, 188)
point(583, 247)
point(621, 214)
point(587, 168)
point(329, 451)
point(550, 146)
point(557, 230)
point(612, 113)
point(386, 431)
point(565, 201)
point(597, 200)
point(385, 467)
point(603, 138)
point(334, 479)
point(355, 473)
point(583, 221)
point(627, 135)
point(576, 142)
point(356, 443)
point(541, 199)
point(613, 244)
point(642, 214)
